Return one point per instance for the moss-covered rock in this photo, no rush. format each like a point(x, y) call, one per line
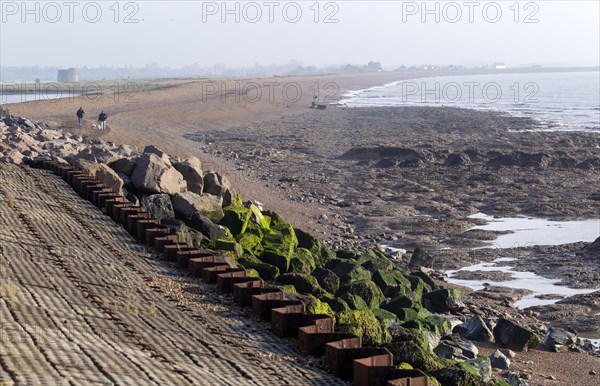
point(364, 324)
point(410, 351)
point(338, 305)
point(366, 289)
point(228, 246)
point(355, 302)
point(386, 318)
point(392, 282)
point(425, 321)
point(252, 272)
point(266, 271)
point(348, 271)
point(236, 219)
point(459, 374)
point(259, 218)
point(417, 287)
point(443, 300)
point(316, 306)
point(302, 261)
point(376, 264)
point(328, 280)
point(401, 302)
point(429, 282)
point(250, 243)
point(303, 283)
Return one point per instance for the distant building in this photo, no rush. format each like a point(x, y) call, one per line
point(499, 66)
point(374, 66)
point(68, 76)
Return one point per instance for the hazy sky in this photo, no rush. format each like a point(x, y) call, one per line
point(178, 33)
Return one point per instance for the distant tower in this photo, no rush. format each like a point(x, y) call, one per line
point(68, 76)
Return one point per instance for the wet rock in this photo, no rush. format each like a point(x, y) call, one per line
point(108, 177)
point(158, 206)
point(509, 334)
point(499, 361)
point(477, 329)
point(187, 204)
point(521, 159)
point(558, 339)
point(457, 350)
point(191, 170)
point(203, 224)
point(152, 174)
point(420, 258)
point(443, 300)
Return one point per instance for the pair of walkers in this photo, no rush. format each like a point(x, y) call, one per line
point(101, 118)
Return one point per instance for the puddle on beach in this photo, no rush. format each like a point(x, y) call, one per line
point(530, 232)
point(525, 280)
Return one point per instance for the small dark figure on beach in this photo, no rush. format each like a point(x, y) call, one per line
point(80, 114)
point(102, 120)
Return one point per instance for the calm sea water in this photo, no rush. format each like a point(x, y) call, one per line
point(566, 101)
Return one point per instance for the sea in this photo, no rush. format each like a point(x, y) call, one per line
point(557, 101)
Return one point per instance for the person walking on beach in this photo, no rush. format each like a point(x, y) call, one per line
point(102, 120)
point(80, 114)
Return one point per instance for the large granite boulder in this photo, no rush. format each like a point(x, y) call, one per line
point(218, 185)
point(191, 170)
point(109, 177)
point(152, 174)
point(124, 165)
point(187, 204)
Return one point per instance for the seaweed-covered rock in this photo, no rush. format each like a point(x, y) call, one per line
point(443, 300)
point(250, 243)
point(317, 307)
point(303, 283)
point(391, 282)
point(401, 302)
point(387, 318)
point(355, 302)
point(328, 280)
point(459, 374)
point(428, 322)
point(338, 305)
point(511, 335)
point(230, 246)
point(364, 324)
point(266, 271)
point(236, 219)
point(410, 346)
point(367, 290)
point(378, 264)
point(348, 271)
point(302, 261)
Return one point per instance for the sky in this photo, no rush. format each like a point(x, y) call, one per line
point(237, 33)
